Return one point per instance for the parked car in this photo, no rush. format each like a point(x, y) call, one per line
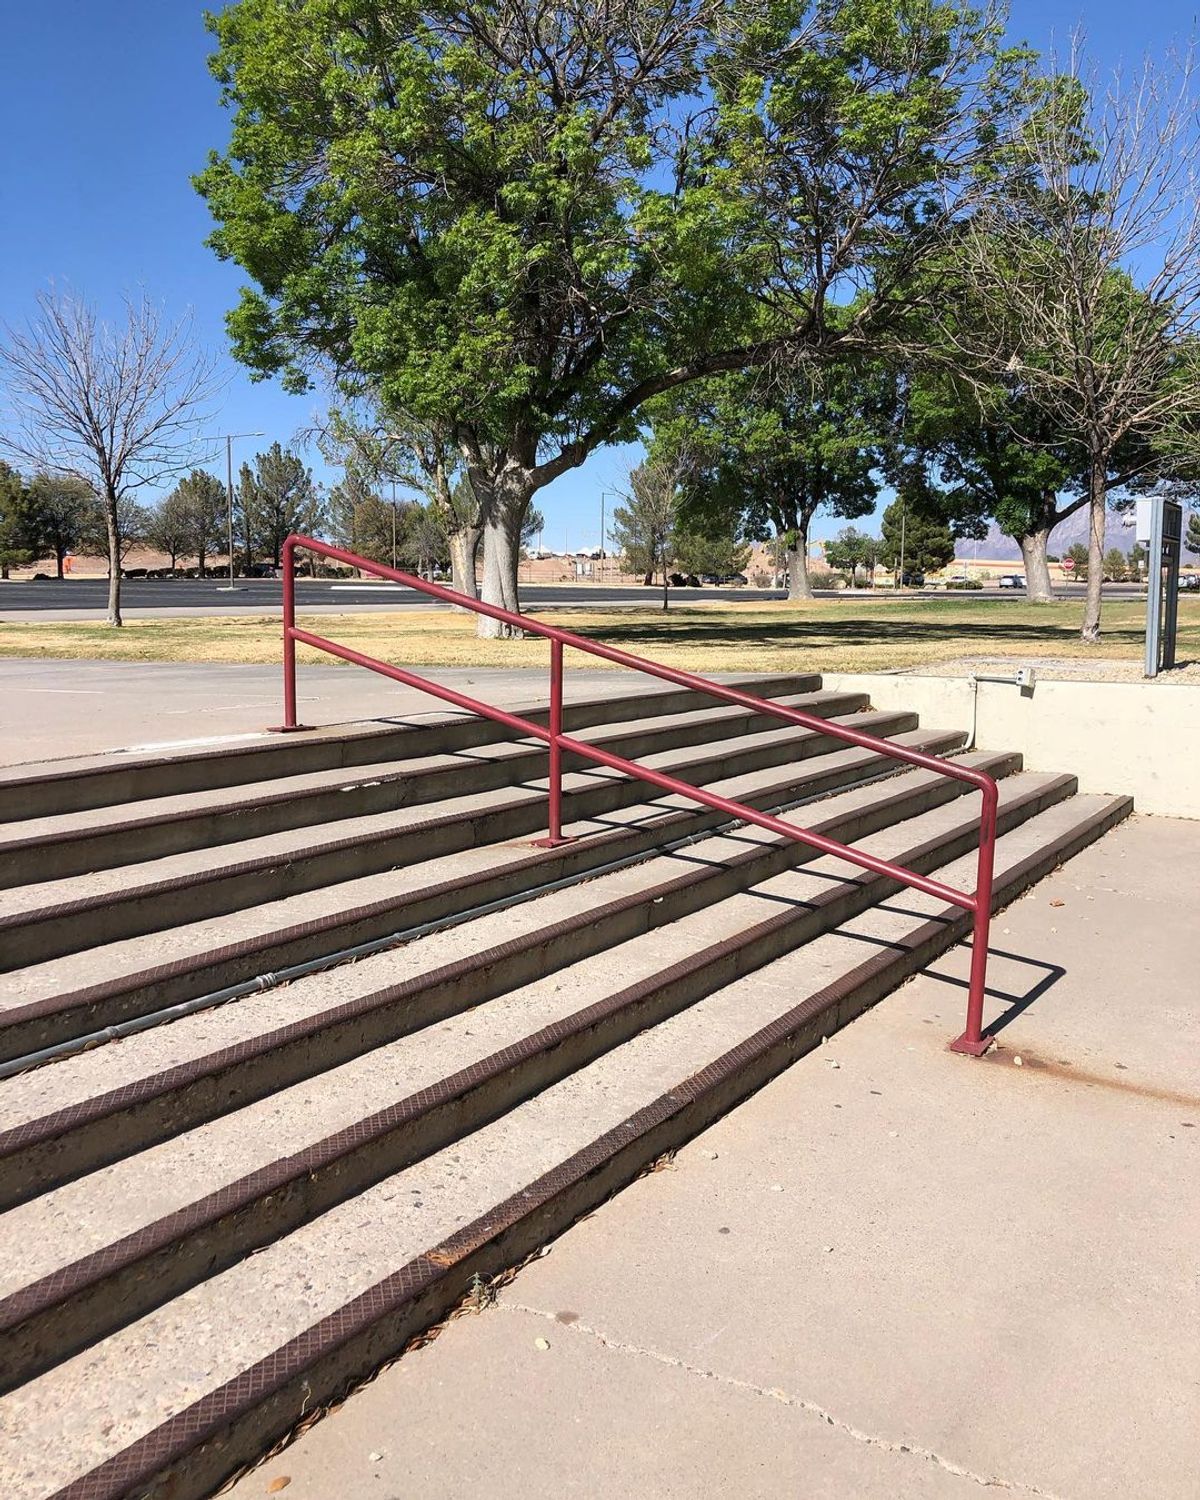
point(735, 578)
point(676, 580)
point(1189, 583)
point(711, 578)
point(1010, 581)
point(913, 580)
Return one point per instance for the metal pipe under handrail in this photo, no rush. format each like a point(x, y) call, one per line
point(979, 902)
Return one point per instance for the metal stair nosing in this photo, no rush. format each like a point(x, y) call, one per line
point(28, 937)
point(77, 1304)
point(42, 1023)
point(194, 1450)
point(45, 789)
point(61, 853)
point(37, 1154)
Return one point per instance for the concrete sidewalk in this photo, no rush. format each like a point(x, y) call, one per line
point(70, 708)
point(894, 1273)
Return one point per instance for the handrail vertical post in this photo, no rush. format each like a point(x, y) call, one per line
point(554, 835)
point(973, 1041)
point(288, 558)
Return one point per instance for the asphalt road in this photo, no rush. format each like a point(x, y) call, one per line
point(252, 595)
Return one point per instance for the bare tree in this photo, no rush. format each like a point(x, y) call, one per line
point(117, 405)
point(1087, 278)
point(382, 444)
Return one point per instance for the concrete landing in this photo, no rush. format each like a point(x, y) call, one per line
point(893, 1273)
point(61, 708)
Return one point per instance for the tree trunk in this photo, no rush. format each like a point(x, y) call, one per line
point(500, 555)
point(1097, 514)
point(59, 553)
point(1038, 588)
point(114, 562)
point(464, 549)
point(796, 561)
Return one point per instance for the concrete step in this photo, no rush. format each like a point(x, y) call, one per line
point(272, 1164)
point(176, 1400)
point(47, 1004)
point(55, 917)
point(69, 785)
point(74, 843)
point(105, 1103)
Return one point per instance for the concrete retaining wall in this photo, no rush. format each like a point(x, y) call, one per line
point(1139, 738)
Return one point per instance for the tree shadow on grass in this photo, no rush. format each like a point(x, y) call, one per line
point(973, 634)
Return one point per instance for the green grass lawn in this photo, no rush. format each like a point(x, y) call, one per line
point(861, 634)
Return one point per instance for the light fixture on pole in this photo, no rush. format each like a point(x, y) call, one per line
point(229, 437)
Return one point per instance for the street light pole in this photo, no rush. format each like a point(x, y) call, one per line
point(229, 437)
point(393, 523)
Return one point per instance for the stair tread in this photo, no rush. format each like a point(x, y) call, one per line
point(72, 1080)
point(245, 794)
point(198, 863)
point(66, 1421)
point(266, 744)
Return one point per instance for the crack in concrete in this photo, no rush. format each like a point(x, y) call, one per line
point(785, 1398)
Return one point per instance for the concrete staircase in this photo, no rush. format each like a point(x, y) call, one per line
point(299, 1037)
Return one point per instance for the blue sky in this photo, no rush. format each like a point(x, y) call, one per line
point(107, 109)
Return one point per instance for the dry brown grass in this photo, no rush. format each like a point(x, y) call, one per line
point(828, 635)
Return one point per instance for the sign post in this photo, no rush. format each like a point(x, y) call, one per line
point(1160, 528)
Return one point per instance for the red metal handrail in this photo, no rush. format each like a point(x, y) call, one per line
point(978, 902)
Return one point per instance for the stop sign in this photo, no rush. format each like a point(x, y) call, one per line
point(1068, 564)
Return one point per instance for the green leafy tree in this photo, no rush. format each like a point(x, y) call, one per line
point(168, 527)
point(519, 224)
point(919, 535)
point(767, 454)
point(1192, 536)
point(276, 497)
point(643, 528)
point(202, 504)
point(720, 553)
point(14, 551)
point(56, 508)
point(995, 455)
point(1116, 565)
point(851, 550)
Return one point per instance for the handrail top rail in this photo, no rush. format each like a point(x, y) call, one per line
point(985, 783)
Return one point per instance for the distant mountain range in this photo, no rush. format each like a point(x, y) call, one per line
point(997, 547)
